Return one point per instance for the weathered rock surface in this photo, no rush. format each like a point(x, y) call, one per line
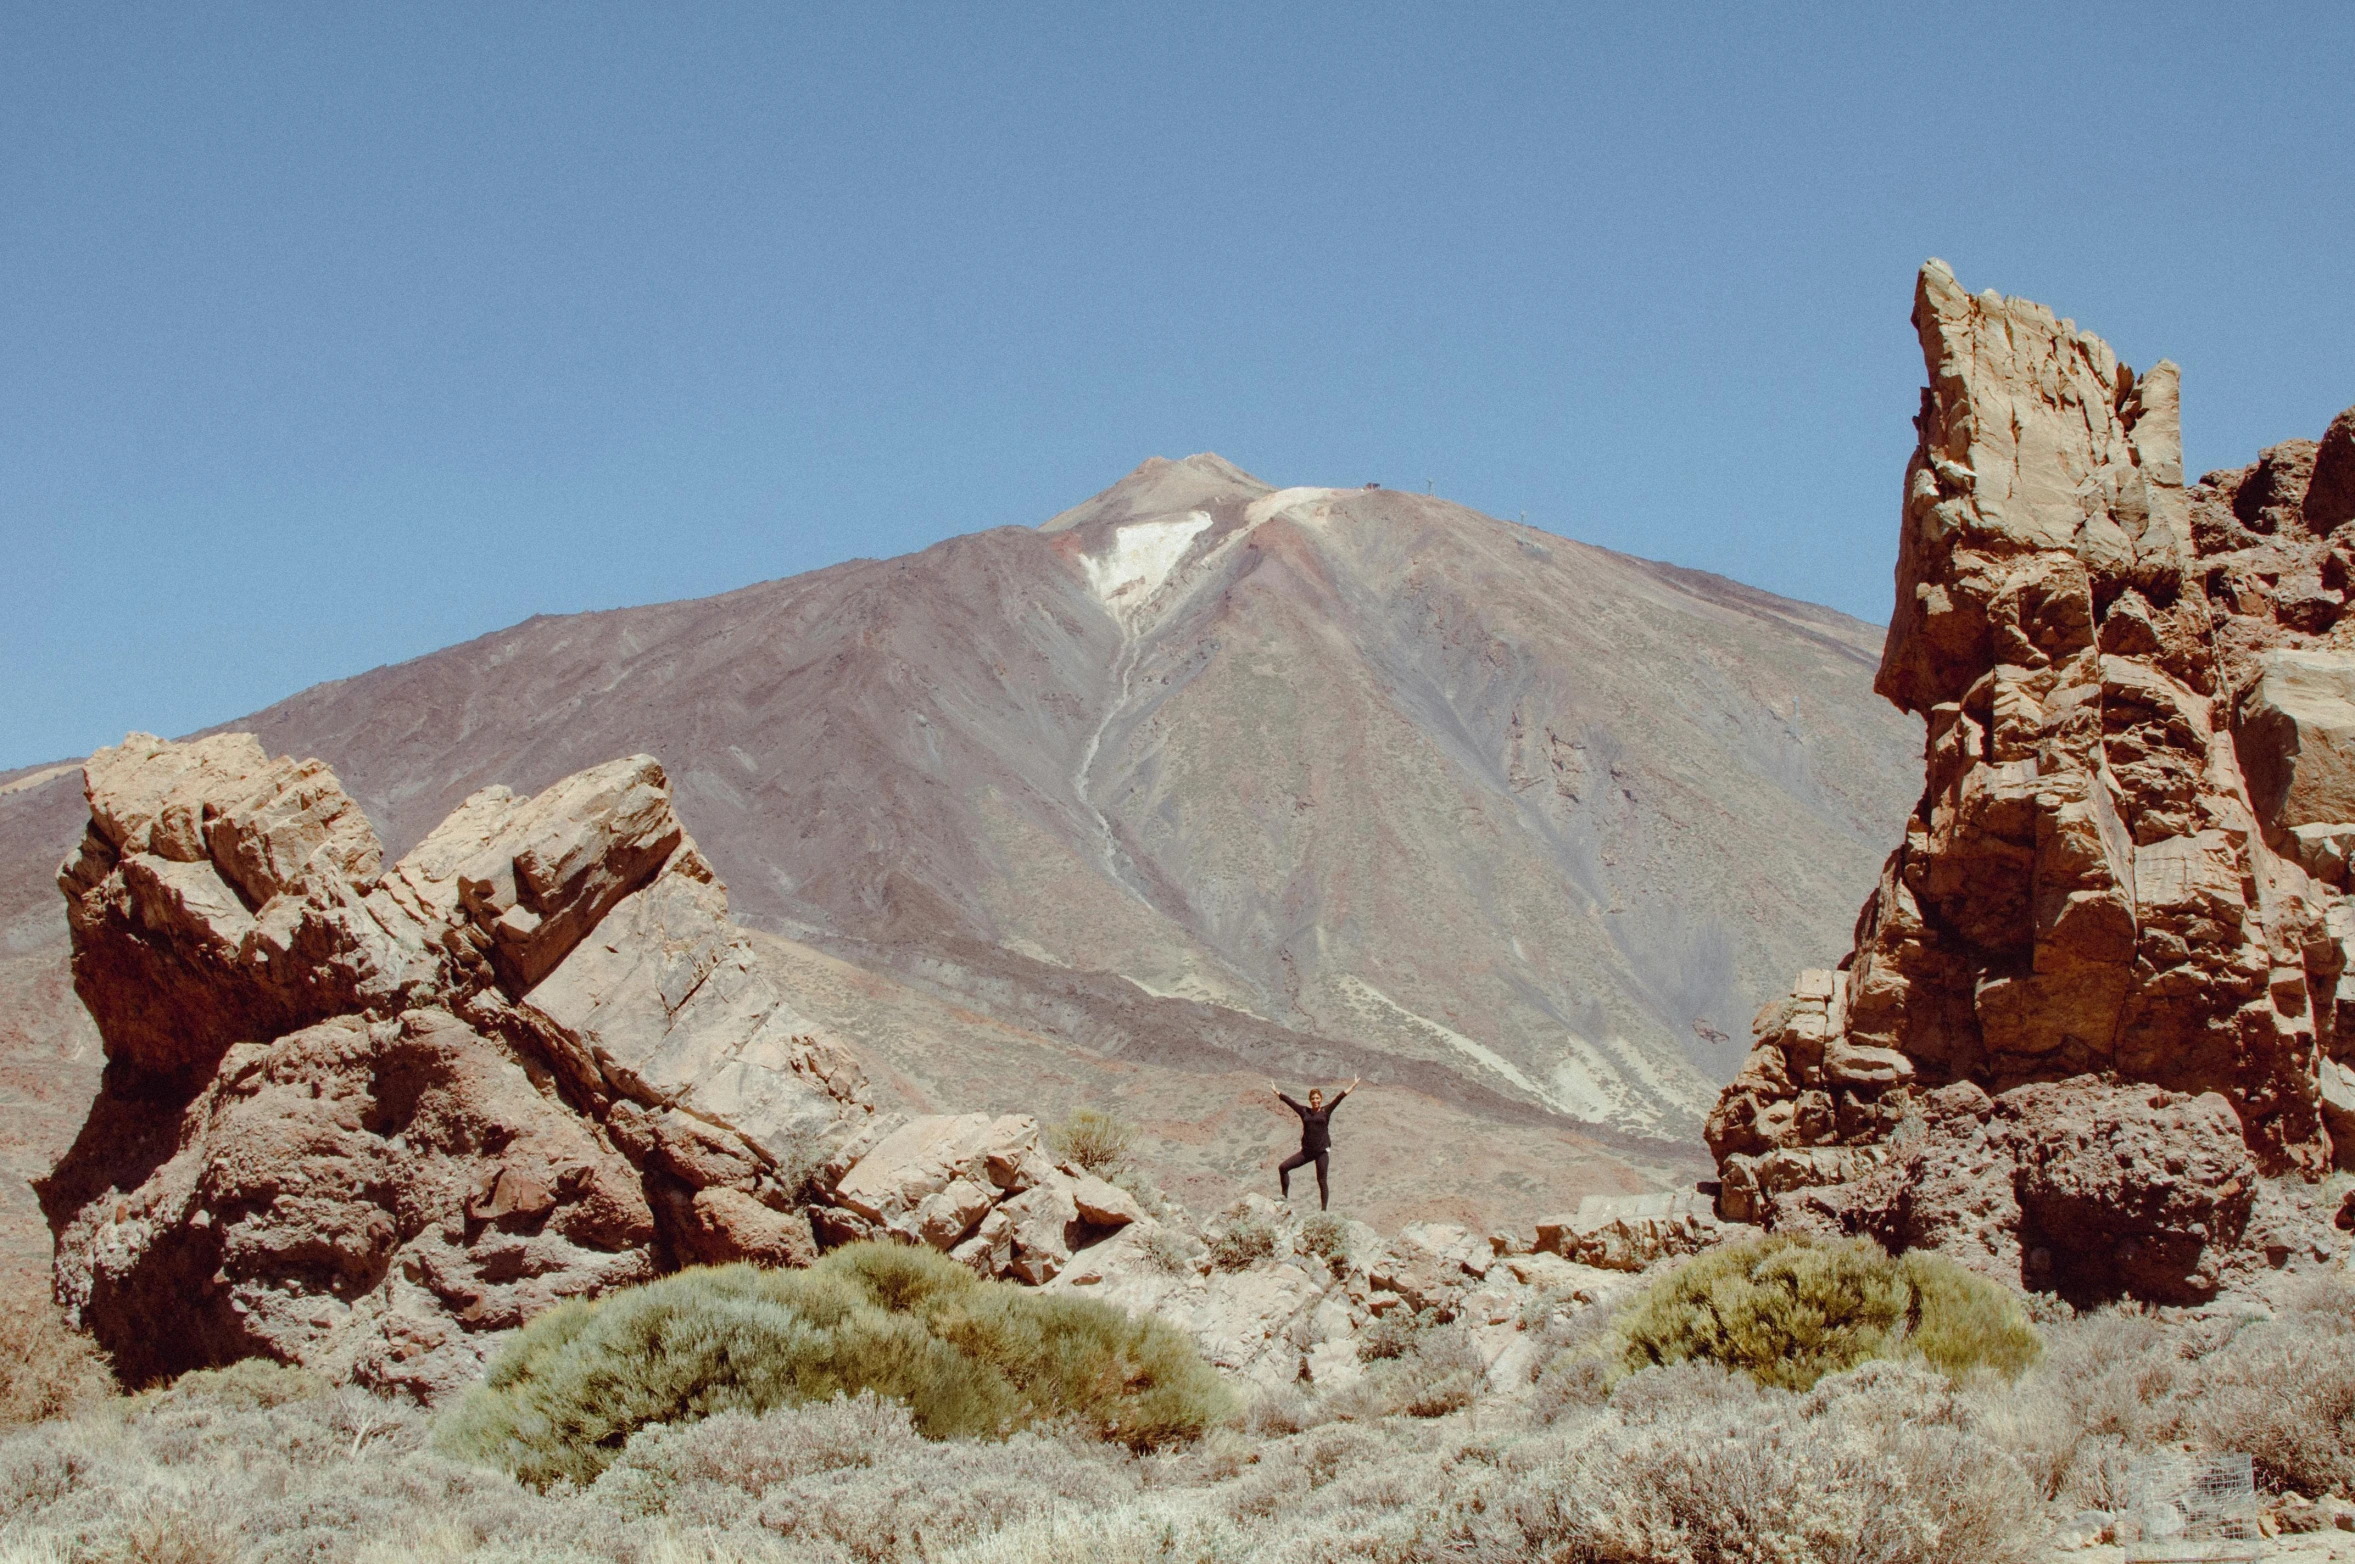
point(978, 1187)
point(1295, 1320)
point(1630, 1232)
point(2127, 865)
point(363, 1119)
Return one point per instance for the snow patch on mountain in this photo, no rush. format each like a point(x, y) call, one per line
point(1269, 506)
point(1141, 558)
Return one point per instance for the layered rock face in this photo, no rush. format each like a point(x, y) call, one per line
point(362, 1118)
point(2102, 986)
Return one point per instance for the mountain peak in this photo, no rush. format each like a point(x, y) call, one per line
point(1159, 486)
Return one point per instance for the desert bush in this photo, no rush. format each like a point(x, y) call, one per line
point(1882, 1464)
point(855, 1477)
point(1788, 1309)
point(1272, 1412)
point(1885, 1465)
point(1154, 1532)
point(1394, 1334)
point(1326, 1237)
point(2284, 1391)
point(970, 1358)
point(2122, 1382)
point(1439, 1369)
point(1441, 1375)
point(1240, 1242)
point(1169, 1250)
point(250, 1384)
point(1572, 1380)
point(1093, 1139)
point(47, 1368)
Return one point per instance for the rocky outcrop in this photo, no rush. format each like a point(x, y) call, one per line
point(2104, 969)
point(1298, 1316)
point(979, 1188)
point(363, 1118)
point(1631, 1232)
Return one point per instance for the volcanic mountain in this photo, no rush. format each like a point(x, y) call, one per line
point(1198, 783)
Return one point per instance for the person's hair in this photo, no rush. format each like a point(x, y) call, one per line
point(1315, 1091)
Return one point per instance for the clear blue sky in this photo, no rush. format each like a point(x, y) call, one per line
point(330, 335)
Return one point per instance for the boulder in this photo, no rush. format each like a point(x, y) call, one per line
point(2338, 1109)
point(1101, 1203)
point(1244, 1320)
point(932, 1180)
point(332, 1198)
point(2330, 491)
point(2095, 1189)
point(731, 1225)
point(1430, 1265)
point(1043, 1219)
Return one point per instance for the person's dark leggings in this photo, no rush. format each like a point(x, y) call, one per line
point(1300, 1159)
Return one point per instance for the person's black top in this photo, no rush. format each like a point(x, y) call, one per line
point(1316, 1133)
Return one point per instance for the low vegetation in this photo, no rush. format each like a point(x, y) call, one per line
point(46, 1370)
point(1326, 1237)
point(1241, 1241)
point(1787, 1309)
point(969, 1359)
point(1902, 1457)
point(1093, 1139)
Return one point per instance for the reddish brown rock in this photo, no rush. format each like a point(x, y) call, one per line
point(2128, 856)
point(2086, 1187)
point(365, 1120)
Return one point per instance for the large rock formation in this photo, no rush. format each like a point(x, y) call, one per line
point(361, 1118)
point(2104, 984)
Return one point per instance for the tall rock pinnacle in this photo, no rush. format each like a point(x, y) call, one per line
point(2127, 867)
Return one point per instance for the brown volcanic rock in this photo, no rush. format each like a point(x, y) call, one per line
point(2140, 718)
point(2083, 1186)
point(216, 897)
point(364, 1119)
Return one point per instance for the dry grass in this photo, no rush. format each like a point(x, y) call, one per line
point(47, 1369)
point(1093, 1139)
point(1885, 1464)
point(2123, 1382)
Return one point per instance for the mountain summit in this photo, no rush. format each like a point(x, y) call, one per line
point(1161, 487)
point(1204, 781)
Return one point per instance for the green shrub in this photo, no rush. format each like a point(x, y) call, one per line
point(1235, 1246)
point(970, 1358)
point(1092, 1139)
point(1787, 1309)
